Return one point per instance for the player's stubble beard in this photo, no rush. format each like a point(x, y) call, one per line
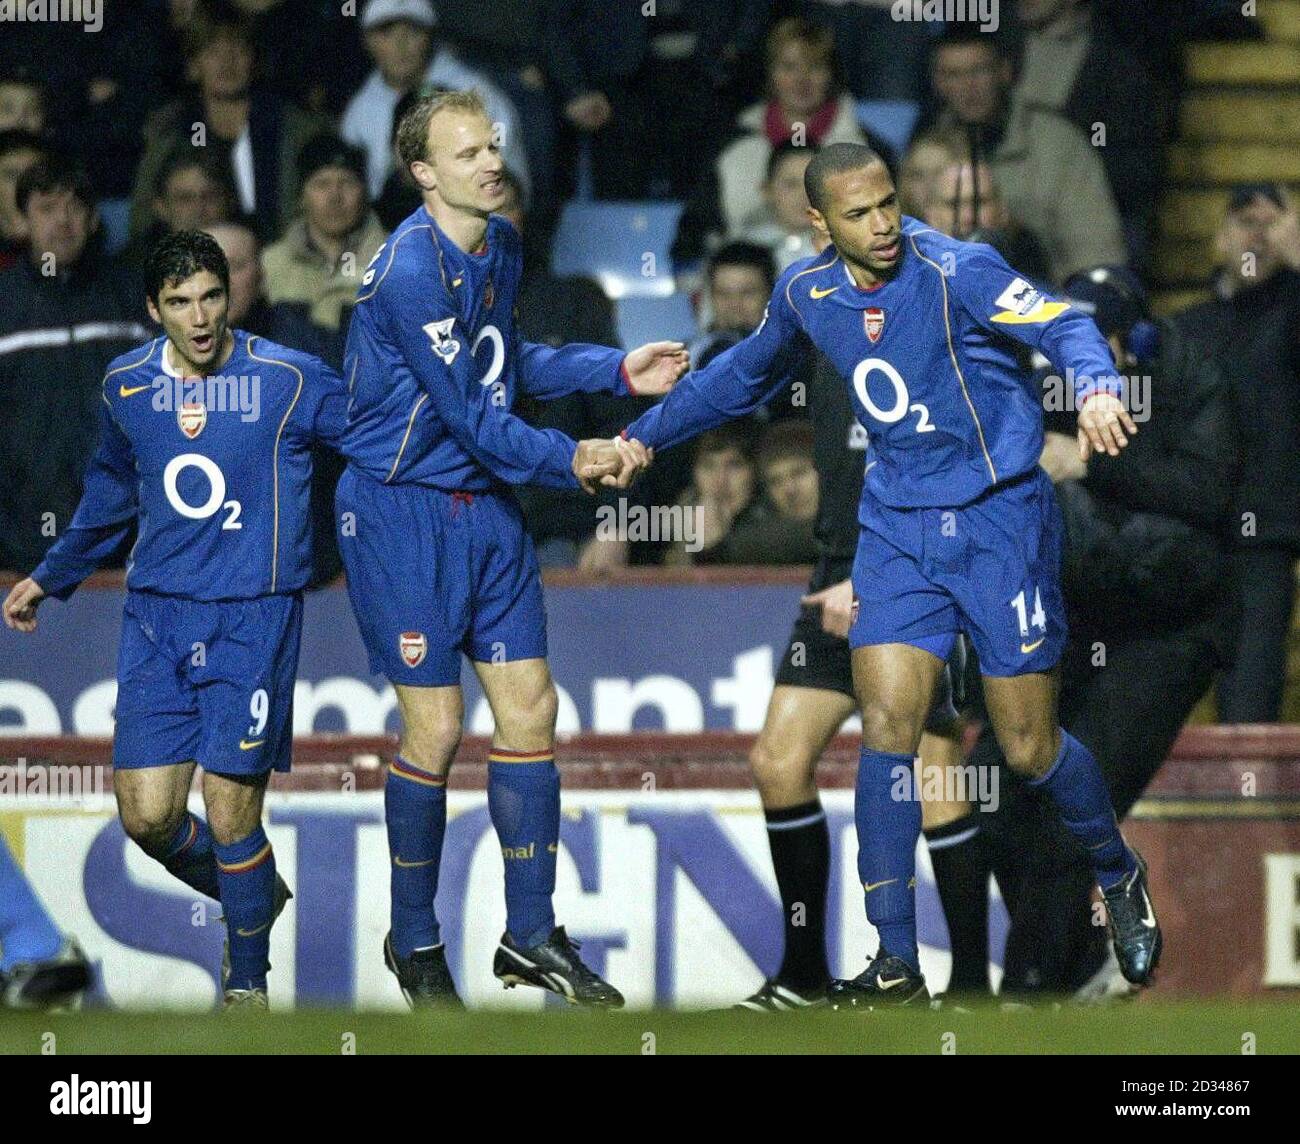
point(223, 345)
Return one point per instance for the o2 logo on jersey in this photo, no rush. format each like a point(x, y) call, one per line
point(444, 345)
point(413, 647)
point(492, 334)
point(192, 416)
point(216, 496)
point(900, 408)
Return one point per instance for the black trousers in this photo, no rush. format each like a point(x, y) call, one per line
point(1251, 690)
point(1127, 711)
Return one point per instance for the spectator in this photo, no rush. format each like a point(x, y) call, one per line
point(400, 196)
point(1052, 180)
point(22, 101)
point(192, 192)
point(782, 225)
point(1066, 46)
point(722, 495)
point(248, 306)
point(737, 288)
point(65, 313)
point(784, 532)
point(930, 152)
point(652, 96)
point(400, 39)
point(1146, 527)
point(884, 58)
point(18, 150)
point(955, 207)
point(318, 264)
point(250, 131)
point(1253, 327)
point(804, 106)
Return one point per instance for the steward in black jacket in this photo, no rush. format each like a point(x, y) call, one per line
point(58, 333)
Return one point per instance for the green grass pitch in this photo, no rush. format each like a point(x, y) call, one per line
point(1218, 1027)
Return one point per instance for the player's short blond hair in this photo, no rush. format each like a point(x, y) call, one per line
point(413, 130)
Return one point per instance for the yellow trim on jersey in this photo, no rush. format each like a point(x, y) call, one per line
point(153, 345)
point(1044, 313)
point(406, 436)
point(952, 353)
point(392, 253)
point(275, 457)
point(810, 270)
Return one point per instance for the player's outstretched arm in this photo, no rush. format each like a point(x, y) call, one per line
point(734, 383)
point(103, 518)
point(1003, 302)
point(21, 604)
point(651, 370)
point(436, 348)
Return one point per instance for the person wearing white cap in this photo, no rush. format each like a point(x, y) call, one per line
point(400, 38)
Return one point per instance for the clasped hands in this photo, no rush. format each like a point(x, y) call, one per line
point(614, 462)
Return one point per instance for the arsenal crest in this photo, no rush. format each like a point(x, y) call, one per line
point(414, 647)
point(875, 323)
point(191, 417)
point(489, 295)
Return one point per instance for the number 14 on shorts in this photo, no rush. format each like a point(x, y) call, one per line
point(1038, 619)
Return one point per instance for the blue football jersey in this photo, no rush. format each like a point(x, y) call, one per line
point(433, 365)
point(931, 373)
point(216, 471)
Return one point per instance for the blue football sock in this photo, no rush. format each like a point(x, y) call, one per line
point(1076, 785)
point(246, 870)
point(415, 808)
point(26, 931)
point(189, 857)
point(524, 802)
point(887, 809)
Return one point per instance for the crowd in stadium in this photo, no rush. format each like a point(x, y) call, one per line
point(270, 123)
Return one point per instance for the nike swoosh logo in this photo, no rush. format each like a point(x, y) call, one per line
point(889, 983)
point(397, 861)
point(122, 390)
point(815, 293)
point(252, 932)
point(1028, 647)
point(245, 745)
point(1149, 919)
point(869, 886)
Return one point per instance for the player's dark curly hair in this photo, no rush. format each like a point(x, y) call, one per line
point(180, 256)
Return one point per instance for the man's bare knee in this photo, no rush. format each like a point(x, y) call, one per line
point(528, 722)
point(1029, 750)
point(432, 744)
point(784, 777)
point(150, 825)
point(891, 727)
point(151, 806)
point(234, 805)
